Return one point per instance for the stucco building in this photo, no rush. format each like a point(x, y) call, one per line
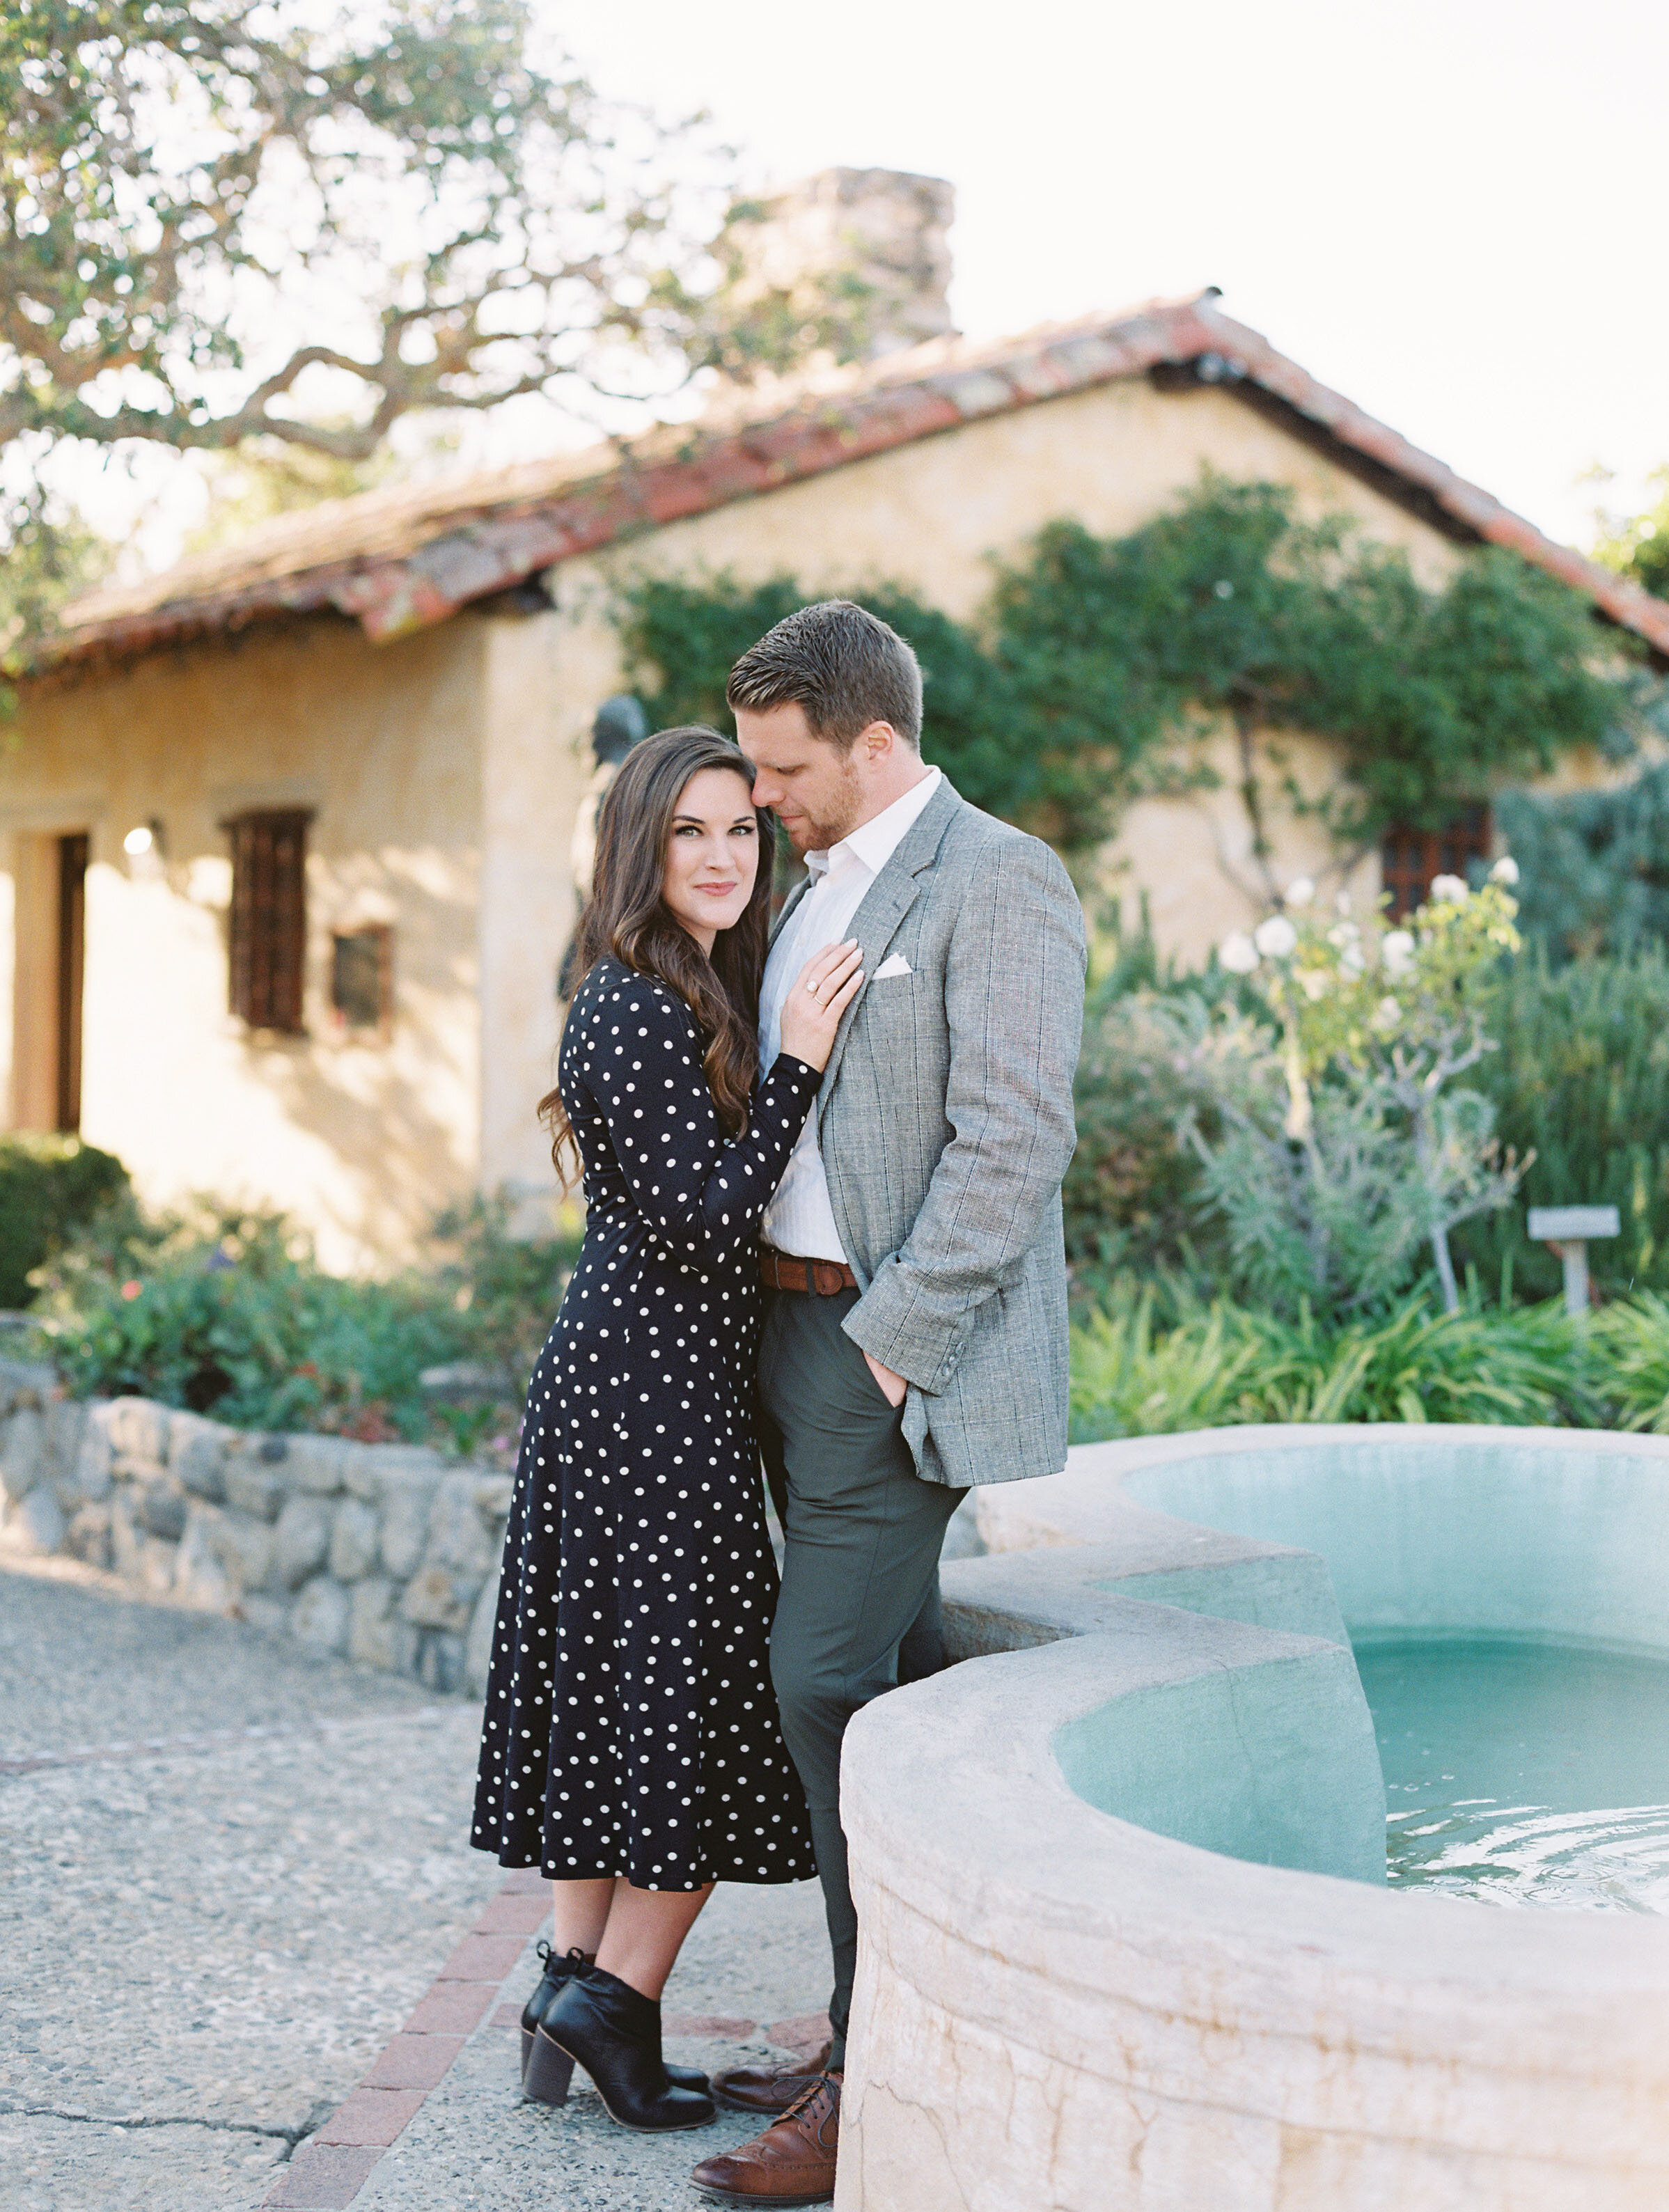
point(285, 833)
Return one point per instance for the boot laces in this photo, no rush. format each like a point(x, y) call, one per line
point(559, 1967)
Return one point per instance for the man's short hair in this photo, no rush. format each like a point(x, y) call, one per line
point(842, 665)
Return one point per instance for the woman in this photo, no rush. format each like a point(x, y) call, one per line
point(631, 1746)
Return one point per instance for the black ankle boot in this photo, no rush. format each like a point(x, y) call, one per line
point(559, 1968)
point(614, 2033)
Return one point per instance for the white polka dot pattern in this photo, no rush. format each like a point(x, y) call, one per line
point(630, 1725)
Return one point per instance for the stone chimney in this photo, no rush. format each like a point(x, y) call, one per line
point(875, 238)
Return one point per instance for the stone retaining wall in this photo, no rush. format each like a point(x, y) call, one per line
point(386, 1553)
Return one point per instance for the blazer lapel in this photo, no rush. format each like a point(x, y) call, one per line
point(885, 905)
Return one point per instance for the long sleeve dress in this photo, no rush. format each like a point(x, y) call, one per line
point(630, 1724)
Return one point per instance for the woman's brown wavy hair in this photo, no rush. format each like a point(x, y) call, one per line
point(627, 918)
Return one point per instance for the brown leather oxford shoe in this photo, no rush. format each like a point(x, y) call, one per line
point(770, 2090)
point(791, 2163)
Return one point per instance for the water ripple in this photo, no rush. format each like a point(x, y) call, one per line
point(1524, 1774)
point(1615, 1860)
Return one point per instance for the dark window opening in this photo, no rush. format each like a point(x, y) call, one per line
point(1410, 860)
point(361, 979)
point(269, 937)
point(71, 963)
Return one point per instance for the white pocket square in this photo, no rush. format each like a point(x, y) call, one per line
point(898, 965)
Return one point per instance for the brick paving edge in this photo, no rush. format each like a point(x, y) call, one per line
point(327, 2172)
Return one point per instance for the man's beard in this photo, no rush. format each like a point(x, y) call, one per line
point(846, 805)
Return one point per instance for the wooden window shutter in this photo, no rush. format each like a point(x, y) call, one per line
point(1412, 860)
point(268, 918)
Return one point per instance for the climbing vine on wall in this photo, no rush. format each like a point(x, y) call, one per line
point(684, 636)
point(1098, 665)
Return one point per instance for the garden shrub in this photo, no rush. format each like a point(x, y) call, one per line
point(1595, 865)
point(227, 1312)
point(1287, 1126)
point(1581, 1078)
point(1131, 1192)
point(50, 1188)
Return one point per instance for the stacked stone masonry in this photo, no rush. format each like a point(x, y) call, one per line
point(385, 1554)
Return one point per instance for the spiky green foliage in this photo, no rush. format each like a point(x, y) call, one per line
point(1632, 1338)
point(1154, 1361)
point(1581, 1078)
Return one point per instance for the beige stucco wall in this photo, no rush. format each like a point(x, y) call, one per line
point(445, 771)
point(361, 1138)
point(930, 516)
point(539, 699)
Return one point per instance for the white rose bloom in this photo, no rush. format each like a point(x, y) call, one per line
point(1397, 952)
point(1450, 889)
point(1238, 954)
point(1314, 983)
point(1277, 937)
point(1343, 934)
point(1387, 1013)
point(1352, 960)
point(1505, 870)
point(1301, 892)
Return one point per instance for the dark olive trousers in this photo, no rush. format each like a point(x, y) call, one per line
point(859, 1609)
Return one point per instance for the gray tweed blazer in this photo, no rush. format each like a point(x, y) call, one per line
point(945, 1123)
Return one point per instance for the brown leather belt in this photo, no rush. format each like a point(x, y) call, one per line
point(822, 1278)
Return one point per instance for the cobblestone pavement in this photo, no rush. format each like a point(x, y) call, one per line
point(229, 1872)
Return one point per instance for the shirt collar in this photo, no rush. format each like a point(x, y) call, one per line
point(874, 842)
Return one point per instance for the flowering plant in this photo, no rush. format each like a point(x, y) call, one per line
point(1373, 1136)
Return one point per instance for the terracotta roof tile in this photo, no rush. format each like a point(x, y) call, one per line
point(397, 561)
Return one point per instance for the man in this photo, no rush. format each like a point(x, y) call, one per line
point(915, 1329)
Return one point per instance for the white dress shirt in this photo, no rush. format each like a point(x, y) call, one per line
point(799, 1219)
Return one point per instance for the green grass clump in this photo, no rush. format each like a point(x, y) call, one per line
point(1150, 1361)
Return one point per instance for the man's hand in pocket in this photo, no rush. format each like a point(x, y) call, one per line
point(892, 1386)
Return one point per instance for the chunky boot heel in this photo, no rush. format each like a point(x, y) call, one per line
point(559, 1967)
point(614, 2032)
point(547, 2072)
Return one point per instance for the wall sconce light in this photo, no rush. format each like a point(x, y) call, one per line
point(145, 849)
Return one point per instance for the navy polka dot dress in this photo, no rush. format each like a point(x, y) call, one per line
point(630, 1725)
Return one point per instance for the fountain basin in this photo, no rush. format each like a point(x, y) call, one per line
point(1100, 1970)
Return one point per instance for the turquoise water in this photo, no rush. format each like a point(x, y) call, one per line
point(1524, 1774)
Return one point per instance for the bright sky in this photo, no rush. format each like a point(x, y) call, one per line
point(1448, 210)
